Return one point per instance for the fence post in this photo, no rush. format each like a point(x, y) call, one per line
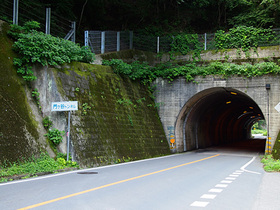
point(48, 20)
point(158, 44)
point(86, 38)
point(73, 28)
point(205, 41)
point(102, 42)
point(72, 33)
point(15, 12)
point(118, 41)
point(130, 40)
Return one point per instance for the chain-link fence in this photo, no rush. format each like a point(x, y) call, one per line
point(34, 11)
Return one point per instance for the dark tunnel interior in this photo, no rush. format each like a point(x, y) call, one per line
point(219, 116)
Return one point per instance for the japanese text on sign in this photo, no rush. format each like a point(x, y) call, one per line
point(65, 106)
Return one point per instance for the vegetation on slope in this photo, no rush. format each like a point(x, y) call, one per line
point(36, 47)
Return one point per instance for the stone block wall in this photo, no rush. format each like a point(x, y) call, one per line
point(117, 119)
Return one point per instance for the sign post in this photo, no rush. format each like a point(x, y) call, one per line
point(66, 106)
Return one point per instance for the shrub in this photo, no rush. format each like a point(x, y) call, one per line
point(270, 164)
point(36, 47)
point(186, 43)
point(55, 136)
point(242, 37)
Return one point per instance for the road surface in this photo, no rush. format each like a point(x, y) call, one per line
point(193, 180)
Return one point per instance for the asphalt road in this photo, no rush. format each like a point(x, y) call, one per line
point(193, 180)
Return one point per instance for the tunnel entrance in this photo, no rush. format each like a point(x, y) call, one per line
point(218, 117)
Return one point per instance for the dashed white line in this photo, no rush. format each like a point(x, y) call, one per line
point(230, 178)
point(226, 181)
point(224, 184)
point(221, 185)
point(208, 196)
point(215, 190)
point(199, 204)
point(237, 173)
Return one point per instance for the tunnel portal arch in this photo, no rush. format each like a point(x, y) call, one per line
point(216, 116)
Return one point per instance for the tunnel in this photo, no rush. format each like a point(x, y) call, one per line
point(218, 116)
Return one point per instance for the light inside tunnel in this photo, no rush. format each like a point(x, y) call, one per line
point(217, 116)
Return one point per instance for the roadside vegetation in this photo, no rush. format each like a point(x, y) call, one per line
point(270, 164)
point(36, 166)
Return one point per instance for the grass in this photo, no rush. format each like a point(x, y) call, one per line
point(270, 164)
point(34, 167)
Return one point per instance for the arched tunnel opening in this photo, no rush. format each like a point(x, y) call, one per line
point(219, 117)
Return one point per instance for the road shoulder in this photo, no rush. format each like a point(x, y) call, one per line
point(268, 196)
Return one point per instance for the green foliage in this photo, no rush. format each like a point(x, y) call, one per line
point(55, 136)
point(125, 102)
point(86, 108)
point(270, 164)
point(36, 47)
point(130, 120)
point(259, 131)
point(119, 66)
point(47, 123)
point(134, 71)
point(186, 43)
point(171, 71)
point(16, 31)
point(243, 37)
point(36, 95)
point(34, 166)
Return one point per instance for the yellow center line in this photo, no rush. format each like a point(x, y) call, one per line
point(111, 184)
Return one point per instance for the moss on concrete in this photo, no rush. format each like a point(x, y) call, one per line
point(116, 121)
point(276, 148)
point(18, 128)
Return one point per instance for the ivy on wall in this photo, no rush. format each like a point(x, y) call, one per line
point(171, 71)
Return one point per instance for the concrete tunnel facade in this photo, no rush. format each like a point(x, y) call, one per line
point(215, 111)
point(216, 116)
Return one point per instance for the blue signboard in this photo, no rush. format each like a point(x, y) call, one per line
point(64, 106)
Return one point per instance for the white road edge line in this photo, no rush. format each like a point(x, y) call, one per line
point(243, 167)
point(82, 170)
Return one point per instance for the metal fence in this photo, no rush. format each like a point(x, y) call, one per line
point(108, 41)
point(19, 12)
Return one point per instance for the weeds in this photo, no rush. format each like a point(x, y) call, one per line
point(33, 166)
point(270, 164)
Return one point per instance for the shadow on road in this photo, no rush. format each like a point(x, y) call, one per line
point(250, 147)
